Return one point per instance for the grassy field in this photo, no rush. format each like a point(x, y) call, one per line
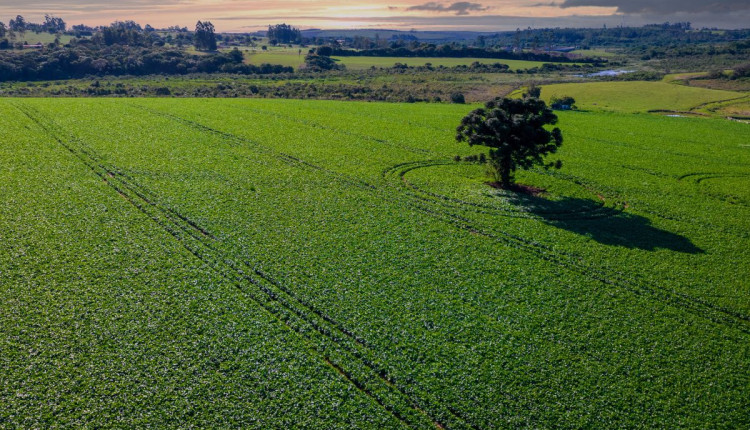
point(739, 110)
point(595, 53)
point(630, 97)
point(291, 57)
point(283, 56)
point(271, 263)
point(276, 55)
point(360, 63)
point(44, 38)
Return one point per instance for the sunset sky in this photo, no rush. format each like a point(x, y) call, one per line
point(479, 15)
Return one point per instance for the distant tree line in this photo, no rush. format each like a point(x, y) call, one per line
point(51, 25)
point(452, 51)
point(276, 86)
point(122, 48)
point(124, 33)
point(86, 59)
point(740, 48)
point(649, 35)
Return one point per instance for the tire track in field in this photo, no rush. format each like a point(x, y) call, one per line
point(450, 416)
point(630, 282)
point(695, 156)
point(349, 181)
point(569, 261)
point(699, 177)
point(648, 208)
point(318, 332)
point(451, 219)
point(598, 210)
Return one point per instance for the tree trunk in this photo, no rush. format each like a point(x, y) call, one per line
point(506, 173)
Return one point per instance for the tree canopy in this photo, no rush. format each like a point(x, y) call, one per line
point(18, 24)
point(515, 132)
point(283, 33)
point(205, 38)
point(320, 63)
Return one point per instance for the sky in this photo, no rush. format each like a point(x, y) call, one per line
point(476, 15)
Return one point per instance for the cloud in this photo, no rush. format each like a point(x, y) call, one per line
point(665, 7)
point(460, 8)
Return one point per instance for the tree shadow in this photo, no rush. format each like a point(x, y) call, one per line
point(608, 226)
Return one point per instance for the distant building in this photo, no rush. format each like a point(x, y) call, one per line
point(37, 46)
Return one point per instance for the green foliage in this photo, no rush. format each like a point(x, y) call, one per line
point(204, 37)
point(514, 131)
point(283, 33)
point(124, 33)
point(118, 59)
point(18, 24)
point(532, 91)
point(741, 71)
point(321, 63)
point(562, 102)
point(325, 51)
point(458, 98)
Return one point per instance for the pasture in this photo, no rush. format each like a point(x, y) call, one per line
point(44, 38)
point(361, 63)
point(317, 264)
point(276, 55)
point(638, 96)
point(291, 57)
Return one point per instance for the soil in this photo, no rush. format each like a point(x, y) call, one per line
point(519, 188)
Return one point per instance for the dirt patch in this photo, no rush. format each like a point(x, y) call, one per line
point(519, 188)
point(721, 84)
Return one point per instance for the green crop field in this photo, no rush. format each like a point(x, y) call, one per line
point(313, 264)
point(636, 96)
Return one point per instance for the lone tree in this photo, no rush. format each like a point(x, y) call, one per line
point(204, 37)
point(283, 33)
point(320, 63)
point(514, 131)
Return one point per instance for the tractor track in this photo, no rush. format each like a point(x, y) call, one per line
point(599, 210)
point(290, 317)
point(322, 335)
point(701, 308)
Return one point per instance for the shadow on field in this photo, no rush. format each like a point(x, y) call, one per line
point(606, 226)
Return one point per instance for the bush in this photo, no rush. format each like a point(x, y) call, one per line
point(741, 71)
point(562, 103)
point(458, 98)
point(325, 51)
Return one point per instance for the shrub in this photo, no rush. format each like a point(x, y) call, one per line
point(458, 98)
